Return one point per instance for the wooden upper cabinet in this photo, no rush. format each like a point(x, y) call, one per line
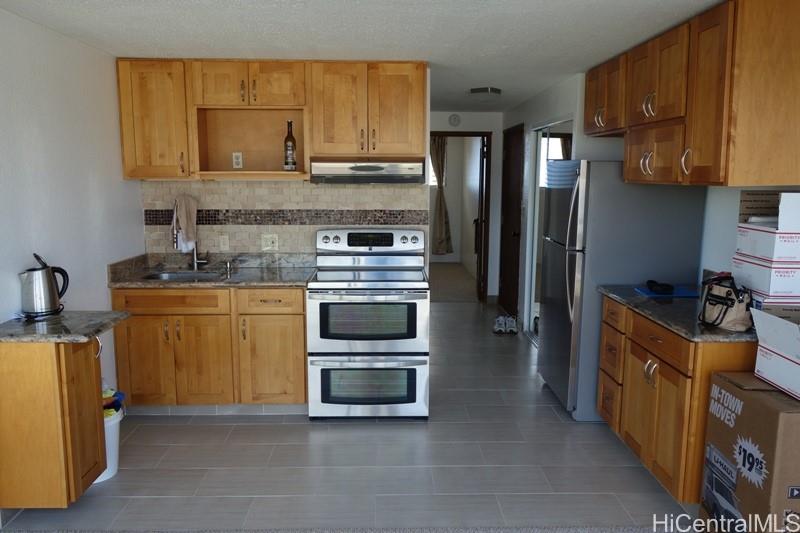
point(224, 82)
point(152, 99)
point(339, 103)
point(663, 165)
point(203, 361)
point(638, 148)
point(709, 77)
point(604, 100)
point(657, 74)
point(277, 83)
point(396, 95)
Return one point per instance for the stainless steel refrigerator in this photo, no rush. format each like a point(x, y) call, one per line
point(598, 230)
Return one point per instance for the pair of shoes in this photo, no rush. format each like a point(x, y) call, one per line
point(505, 324)
point(511, 325)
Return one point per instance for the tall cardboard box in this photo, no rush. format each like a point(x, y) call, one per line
point(752, 457)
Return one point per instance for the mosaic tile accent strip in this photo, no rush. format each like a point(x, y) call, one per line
point(294, 217)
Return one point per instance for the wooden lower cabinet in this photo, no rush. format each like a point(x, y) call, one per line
point(670, 425)
point(272, 359)
point(203, 361)
point(146, 360)
point(609, 400)
point(638, 402)
point(52, 446)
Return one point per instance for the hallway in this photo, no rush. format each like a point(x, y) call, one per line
point(451, 282)
point(497, 451)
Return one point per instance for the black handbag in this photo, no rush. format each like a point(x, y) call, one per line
point(724, 305)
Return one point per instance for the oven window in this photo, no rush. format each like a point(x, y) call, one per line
point(368, 321)
point(369, 386)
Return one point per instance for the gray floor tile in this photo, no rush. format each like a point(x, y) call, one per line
point(374, 433)
point(217, 456)
point(167, 420)
point(534, 453)
point(240, 409)
point(150, 482)
point(375, 480)
point(448, 413)
point(489, 479)
point(259, 481)
point(613, 453)
point(601, 479)
point(278, 434)
point(643, 506)
point(494, 413)
point(335, 511)
point(324, 454)
point(429, 454)
point(149, 514)
point(86, 513)
point(184, 434)
point(566, 432)
point(466, 397)
point(235, 419)
point(140, 456)
point(529, 397)
point(474, 432)
point(543, 510)
point(438, 511)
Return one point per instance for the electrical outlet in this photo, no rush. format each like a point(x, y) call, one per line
point(224, 243)
point(269, 241)
point(238, 160)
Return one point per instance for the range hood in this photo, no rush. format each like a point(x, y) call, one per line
point(368, 171)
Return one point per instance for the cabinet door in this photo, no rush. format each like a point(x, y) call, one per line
point(396, 108)
point(638, 147)
point(641, 68)
point(152, 99)
point(710, 49)
point(609, 400)
point(671, 426)
point(592, 99)
point(612, 113)
point(638, 402)
point(272, 358)
point(671, 51)
point(278, 83)
point(203, 361)
point(224, 82)
point(339, 110)
point(145, 360)
point(83, 415)
point(664, 163)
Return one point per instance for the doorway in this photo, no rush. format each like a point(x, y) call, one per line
point(462, 276)
point(511, 218)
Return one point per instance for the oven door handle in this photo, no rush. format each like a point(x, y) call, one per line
point(363, 364)
point(344, 297)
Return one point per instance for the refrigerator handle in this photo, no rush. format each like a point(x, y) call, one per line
point(570, 303)
point(571, 212)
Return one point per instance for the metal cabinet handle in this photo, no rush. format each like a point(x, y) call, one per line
point(611, 348)
point(683, 161)
point(600, 114)
point(641, 163)
point(650, 374)
point(362, 139)
point(596, 122)
point(166, 331)
point(644, 105)
point(647, 162)
point(244, 329)
point(647, 370)
point(650, 98)
point(657, 340)
point(178, 330)
point(254, 92)
point(241, 90)
point(99, 347)
point(181, 164)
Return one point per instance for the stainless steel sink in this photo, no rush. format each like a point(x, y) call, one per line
point(187, 276)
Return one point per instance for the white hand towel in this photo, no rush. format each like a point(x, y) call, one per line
point(184, 222)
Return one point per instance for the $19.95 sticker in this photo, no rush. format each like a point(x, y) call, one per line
point(750, 461)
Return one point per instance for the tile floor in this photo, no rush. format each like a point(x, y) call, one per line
point(497, 451)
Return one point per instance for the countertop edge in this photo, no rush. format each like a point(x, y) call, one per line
point(114, 318)
point(205, 285)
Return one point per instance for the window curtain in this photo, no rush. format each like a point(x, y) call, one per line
point(442, 243)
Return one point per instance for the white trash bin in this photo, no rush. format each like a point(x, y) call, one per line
point(112, 446)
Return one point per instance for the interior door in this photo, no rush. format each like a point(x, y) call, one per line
point(671, 51)
point(81, 386)
point(203, 362)
point(710, 51)
point(671, 426)
point(511, 217)
point(272, 358)
point(224, 82)
point(396, 108)
point(147, 369)
point(278, 83)
point(152, 98)
point(638, 402)
point(339, 98)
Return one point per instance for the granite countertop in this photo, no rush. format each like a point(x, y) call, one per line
point(71, 327)
point(267, 270)
point(676, 314)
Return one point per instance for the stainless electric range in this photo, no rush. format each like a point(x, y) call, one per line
point(368, 311)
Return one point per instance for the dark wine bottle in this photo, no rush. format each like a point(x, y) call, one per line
point(289, 149)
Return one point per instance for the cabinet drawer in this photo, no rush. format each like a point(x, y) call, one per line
point(670, 347)
point(172, 301)
point(609, 400)
point(270, 301)
point(612, 348)
point(614, 314)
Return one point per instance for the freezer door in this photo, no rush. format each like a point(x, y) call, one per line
point(563, 201)
point(558, 320)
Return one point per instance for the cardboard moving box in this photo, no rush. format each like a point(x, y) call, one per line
point(752, 463)
point(765, 277)
point(777, 240)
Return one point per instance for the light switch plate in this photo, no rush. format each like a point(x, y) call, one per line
point(224, 243)
point(238, 160)
point(269, 241)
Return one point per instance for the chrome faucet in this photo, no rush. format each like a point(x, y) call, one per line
point(195, 261)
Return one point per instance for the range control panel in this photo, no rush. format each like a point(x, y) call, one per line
point(379, 241)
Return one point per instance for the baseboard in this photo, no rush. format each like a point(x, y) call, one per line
point(220, 410)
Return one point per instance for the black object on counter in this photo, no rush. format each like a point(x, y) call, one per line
point(660, 288)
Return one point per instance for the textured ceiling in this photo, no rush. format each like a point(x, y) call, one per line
point(521, 46)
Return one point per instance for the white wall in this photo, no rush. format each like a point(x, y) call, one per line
point(719, 228)
point(469, 203)
point(483, 121)
point(61, 188)
point(454, 178)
